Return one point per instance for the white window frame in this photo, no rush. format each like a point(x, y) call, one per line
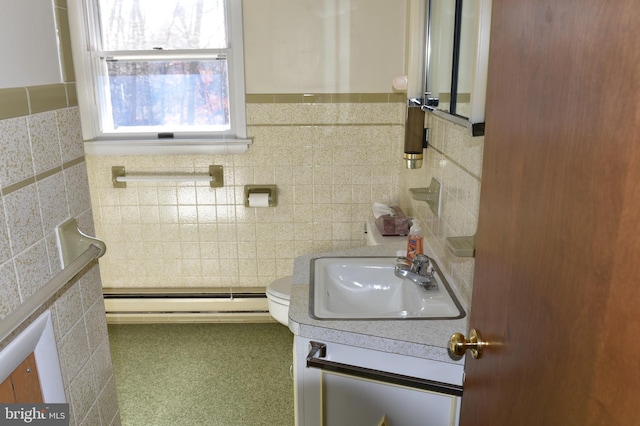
point(83, 40)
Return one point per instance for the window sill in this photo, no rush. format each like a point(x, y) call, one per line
point(166, 147)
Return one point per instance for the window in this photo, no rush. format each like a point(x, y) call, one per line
point(160, 76)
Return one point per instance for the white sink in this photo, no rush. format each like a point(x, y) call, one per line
point(367, 288)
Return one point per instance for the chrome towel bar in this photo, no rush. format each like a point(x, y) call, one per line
point(319, 351)
point(120, 178)
point(22, 313)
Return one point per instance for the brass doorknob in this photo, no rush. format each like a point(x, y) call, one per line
point(458, 344)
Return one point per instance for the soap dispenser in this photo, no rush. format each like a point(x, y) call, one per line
point(414, 137)
point(415, 241)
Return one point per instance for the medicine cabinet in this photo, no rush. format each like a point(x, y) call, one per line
point(457, 54)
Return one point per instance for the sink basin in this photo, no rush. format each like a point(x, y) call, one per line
point(367, 288)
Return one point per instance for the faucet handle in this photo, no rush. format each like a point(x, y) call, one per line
point(403, 262)
point(421, 265)
point(420, 257)
point(419, 261)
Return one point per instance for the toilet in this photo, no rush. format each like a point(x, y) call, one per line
point(279, 291)
point(278, 296)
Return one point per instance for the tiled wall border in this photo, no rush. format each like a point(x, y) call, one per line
point(325, 109)
point(18, 102)
point(22, 101)
point(25, 101)
point(40, 176)
point(324, 98)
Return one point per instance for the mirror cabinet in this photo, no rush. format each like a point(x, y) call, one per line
point(457, 51)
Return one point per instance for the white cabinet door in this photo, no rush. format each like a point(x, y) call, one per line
point(355, 386)
point(349, 401)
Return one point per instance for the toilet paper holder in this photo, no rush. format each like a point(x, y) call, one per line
point(271, 190)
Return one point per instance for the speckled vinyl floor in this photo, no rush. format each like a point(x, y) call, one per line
point(203, 374)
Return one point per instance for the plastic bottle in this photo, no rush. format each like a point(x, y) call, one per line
point(414, 241)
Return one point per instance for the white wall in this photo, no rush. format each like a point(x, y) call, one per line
point(323, 46)
point(29, 52)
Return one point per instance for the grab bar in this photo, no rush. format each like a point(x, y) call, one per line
point(319, 351)
point(20, 314)
point(215, 177)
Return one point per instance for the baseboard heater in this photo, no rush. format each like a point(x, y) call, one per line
point(180, 306)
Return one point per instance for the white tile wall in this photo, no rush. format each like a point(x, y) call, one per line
point(15, 153)
point(43, 182)
point(455, 159)
point(45, 143)
point(329, 161)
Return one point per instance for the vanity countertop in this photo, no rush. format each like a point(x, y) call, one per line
point(417, 338)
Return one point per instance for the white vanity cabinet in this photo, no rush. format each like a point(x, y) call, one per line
point(342, 385)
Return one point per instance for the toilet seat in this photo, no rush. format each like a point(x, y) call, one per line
point(280, 288)
point(278, 296)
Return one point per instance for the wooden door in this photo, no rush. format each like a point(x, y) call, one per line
point(23, 384)
point(557, 278)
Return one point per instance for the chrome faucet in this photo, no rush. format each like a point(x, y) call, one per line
point(419, 270)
